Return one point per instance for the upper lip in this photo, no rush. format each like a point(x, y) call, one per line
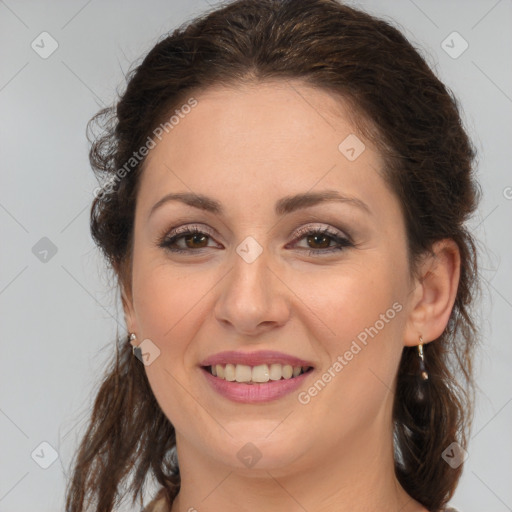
point(254, 358)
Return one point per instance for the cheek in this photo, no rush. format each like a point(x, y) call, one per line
point(170, 303)
point(168, 299)
point(360, 332)
point(349, 302)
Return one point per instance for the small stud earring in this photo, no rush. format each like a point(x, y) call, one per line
point(423, 370)
point(136, 351)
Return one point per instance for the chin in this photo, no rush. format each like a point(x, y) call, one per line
point(265, 451)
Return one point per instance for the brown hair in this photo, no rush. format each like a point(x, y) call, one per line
point(412, 117)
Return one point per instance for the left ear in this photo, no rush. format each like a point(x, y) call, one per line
point(434, 293)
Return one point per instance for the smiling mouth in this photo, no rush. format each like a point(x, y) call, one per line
point(259, 374)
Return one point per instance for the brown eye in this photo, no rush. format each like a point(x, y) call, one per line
point(319, 241)
point(194, 240)
point(322, 240)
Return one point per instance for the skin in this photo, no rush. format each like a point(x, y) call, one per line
point(247, 147)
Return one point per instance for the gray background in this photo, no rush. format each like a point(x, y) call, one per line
point(59, 316)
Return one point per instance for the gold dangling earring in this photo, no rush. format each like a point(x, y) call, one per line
point(423, 370)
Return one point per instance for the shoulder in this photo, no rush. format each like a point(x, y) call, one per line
point(158, 504)
point(450, 509)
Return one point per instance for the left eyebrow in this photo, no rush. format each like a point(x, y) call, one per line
point(290, 204)
point(282, 207)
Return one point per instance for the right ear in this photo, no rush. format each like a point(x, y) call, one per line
point(129, 312)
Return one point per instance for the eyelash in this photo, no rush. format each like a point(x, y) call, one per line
point(167, 240)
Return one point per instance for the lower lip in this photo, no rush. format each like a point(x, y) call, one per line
point(254, 393)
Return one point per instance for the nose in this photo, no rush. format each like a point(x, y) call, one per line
point(253, 297)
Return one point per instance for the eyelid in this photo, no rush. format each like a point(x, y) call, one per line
point(343, 241)
point(304, 230)
point(187, 227)
point(167, 235)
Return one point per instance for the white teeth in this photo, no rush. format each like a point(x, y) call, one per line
point(229, 372)
point(260, 373)
point(287, 371)
point(256, 374)
point(275, 371)
point(243, 373)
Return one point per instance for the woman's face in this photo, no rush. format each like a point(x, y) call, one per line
point(259, 276)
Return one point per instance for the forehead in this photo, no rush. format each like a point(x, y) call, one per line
point(255, 142)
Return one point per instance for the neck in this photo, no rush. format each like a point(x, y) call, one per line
point(357, 477)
